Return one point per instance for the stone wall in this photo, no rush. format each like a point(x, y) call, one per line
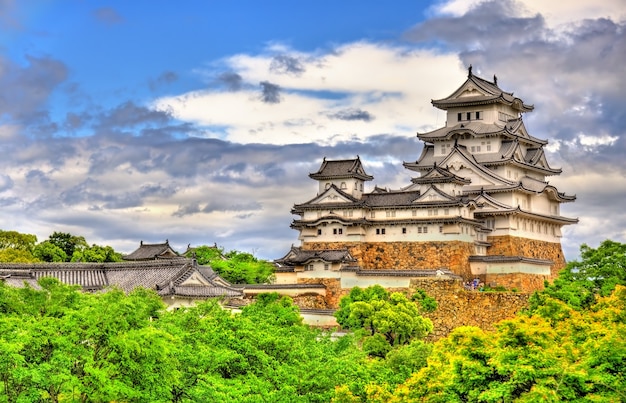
point(459, 307)
point(519, 281)
point(406, 255)
point(455, 305)
point(515, 246)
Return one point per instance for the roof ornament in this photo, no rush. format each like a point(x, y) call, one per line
point(495, 79)
point(469, 71)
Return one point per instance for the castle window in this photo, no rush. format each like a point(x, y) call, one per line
point(446, 211)
point(441, 229)
point(403, 230)
point(343, 185)
point(468, 115)
point(361, 187)
point(319, 231)
point(373, 214)
point(334, 231)
point(382, 231)
point(414, 213)
point(309, 267)
point(390, 213)
point(477, 115)
point(488, 145)
point(458, 116)
point(326, 266)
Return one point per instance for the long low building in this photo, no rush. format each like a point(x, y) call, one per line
point(179, 281)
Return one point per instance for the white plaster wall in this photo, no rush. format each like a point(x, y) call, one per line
point(350, 280)
point(479, 268)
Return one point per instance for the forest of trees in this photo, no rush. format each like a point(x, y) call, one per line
point(16, 247)
point(62, 345)
point(234, 266)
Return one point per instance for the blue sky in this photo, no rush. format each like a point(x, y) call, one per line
point(199, 121)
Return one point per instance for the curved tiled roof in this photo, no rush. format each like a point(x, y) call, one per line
point(297, 256)
point(151, 251)
point(166, 276)
point(336, 169)
point(489, 93)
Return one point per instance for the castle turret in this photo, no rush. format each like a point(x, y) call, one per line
point(347, 175)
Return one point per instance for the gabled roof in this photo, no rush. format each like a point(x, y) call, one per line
point(390, 199)
point(513, 129)
point(478, 91)
point(440, 175)
point(179, 277)
point(299, 256)
point(511, 152)
point(152, 251)
point(319, 200)
point(434, 191)
point(460, 152)
point(338, 169)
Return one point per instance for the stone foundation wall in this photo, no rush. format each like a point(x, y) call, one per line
point(406, 255)
point(519, 281)
point(515, 246)
point(455, 305)
point(334, 292)
point(459, 307)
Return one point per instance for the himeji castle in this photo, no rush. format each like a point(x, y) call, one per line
point(478, 205)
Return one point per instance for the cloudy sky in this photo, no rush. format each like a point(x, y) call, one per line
point(199, 121)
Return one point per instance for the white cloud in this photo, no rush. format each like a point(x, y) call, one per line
point(393, 84)
point(556, 13)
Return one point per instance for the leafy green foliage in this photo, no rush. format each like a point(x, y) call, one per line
point(581, 357)
point(60, 344)
point(46, 251)
point(391, 316)
point(16, 247)
point(16, 240)
point(67, 242)
point(96, 253)
point(234, 266)
point(427, 303)
point(597, 274)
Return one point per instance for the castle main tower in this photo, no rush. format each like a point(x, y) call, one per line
point(479, 206)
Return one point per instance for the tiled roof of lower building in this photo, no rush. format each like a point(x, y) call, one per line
point(166, 276)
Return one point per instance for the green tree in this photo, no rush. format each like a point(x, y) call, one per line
point(11, 255)
point(16, 240)
point(234, 266)
point(59, 344)
point(393, 316)
point(67, 242)
point(46, 251)
point(580, 282)
point(96, 253)
point(16, 247)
